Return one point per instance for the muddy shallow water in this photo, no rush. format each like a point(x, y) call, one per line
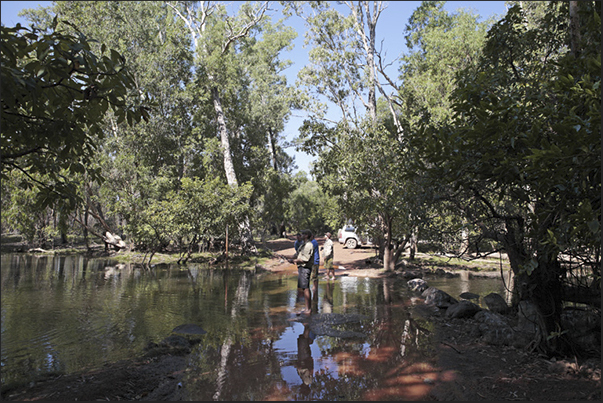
point(64, 314)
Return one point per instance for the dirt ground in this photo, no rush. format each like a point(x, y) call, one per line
point(469, 369)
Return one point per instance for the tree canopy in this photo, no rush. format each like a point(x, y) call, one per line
point(164, 122)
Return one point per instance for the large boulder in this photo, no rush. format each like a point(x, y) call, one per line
point(417, 284)
point(496, 303)
point(439, 298)
point(464, 309)
point(494, 328)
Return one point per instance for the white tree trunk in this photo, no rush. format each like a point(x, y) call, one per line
point(231, 176)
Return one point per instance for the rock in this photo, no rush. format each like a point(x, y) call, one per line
point(438, 298)
point(176, 342)
point(530, 326)
point(464, 309)
point(491, 319)
point(495, 328)
point(583, 328)
point(190, 331)
point(469, 295)
point(417, 284)
point(496, 303)
point(174, 345)
point(114, 240)
point(322, 324)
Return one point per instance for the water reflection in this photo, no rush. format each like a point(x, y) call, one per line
point(62, 314)
point(305, 363)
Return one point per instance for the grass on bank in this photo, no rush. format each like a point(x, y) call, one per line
point(15, 243)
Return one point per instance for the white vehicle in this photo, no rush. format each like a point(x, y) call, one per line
point(350, 239)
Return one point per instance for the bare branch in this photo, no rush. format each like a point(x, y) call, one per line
point(247, 27)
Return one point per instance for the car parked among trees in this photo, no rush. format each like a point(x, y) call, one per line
point(350, 238)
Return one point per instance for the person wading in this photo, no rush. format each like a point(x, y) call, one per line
point(328, 257)
point(304, 260)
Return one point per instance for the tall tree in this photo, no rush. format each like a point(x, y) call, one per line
point(347, 69)
point(237, 59)
point(215, 37)
point(524, 150)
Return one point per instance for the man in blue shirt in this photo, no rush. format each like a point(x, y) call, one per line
point(315, 266)
point(298, 242)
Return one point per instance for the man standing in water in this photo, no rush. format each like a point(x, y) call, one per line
point(304, 260)
point(315, 266)
point(328, 257)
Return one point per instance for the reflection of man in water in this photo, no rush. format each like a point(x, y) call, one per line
point(305, 363)
point(327, 299)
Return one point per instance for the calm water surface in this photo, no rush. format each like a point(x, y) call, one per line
point(64, 314)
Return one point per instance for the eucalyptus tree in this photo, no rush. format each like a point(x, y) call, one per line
point(442, 47)
point(524, 153)
point(364, 157)
point(237, 74)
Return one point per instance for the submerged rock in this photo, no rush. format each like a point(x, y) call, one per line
point(469, 295)
point(323, 324)
point(189, 329)
point(417, 284)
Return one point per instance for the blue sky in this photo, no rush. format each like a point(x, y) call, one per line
point(390, 30)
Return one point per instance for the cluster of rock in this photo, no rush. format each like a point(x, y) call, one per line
point(180, 342)
point(500, 325)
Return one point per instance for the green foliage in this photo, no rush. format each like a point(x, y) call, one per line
point(529, 132)
point(55, 93)
point(19, 210)
point(521, 160)
point(307, 207)
point(440, 44)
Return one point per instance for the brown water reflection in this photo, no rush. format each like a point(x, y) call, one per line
point(287, 361)
point(65, 314)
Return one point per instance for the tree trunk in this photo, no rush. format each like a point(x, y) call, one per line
point(272, 149)
point(540, 285)
point(86, 240)
point(413, 244)
point(388, 250)
point(574, 28)
point(231, 176)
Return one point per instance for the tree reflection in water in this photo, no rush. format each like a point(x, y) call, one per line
point(284, 360)
point(68, 313)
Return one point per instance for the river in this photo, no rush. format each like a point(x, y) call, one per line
point(62, 314)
